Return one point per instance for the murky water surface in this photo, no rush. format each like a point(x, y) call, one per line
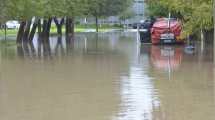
point(106, 77)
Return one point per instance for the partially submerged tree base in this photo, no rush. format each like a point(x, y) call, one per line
point(59, 25)
point(20, 33)
point(26, 33)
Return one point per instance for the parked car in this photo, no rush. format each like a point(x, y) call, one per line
point(135, 25)
point(12, 24)
point(166, 30)
point(145, 31)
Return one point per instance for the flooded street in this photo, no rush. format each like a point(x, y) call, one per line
point(107, 76)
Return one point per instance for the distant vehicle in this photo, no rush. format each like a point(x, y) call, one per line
point(12, 24)
point(145, 31)
point(135, 25)
point(166, 30)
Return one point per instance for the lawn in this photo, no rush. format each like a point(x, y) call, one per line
point(78, 28)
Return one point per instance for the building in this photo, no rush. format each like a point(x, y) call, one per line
point(138, 8)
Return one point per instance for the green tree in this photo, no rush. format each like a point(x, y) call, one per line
point(49, 10)
point(127, 14)
point(24, 11)
point(155, 9)
point(106, 8)
point(3, 15)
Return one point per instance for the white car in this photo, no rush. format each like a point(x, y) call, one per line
point(12, 24)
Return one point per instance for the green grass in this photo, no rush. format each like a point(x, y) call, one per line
point(103, 26)
point(78, 28)
point(9, 32)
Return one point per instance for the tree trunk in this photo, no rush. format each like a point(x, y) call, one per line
point(69, 33)
point(39, 27)
point(20, 32)
point(46, 27)
point(69, 26)
point(59, 25)
point(27, 31)
point(97, 24)
point(44, 31)
point(202, 40)
point(49, 26)
point(73, 27)
point(45, 36)
point(33, 31)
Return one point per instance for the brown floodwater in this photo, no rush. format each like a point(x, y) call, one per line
point(107, 76)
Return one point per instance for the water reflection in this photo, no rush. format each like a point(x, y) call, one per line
point(139, 97)
point(166, 57)
point(64, 45)
point(70, 84)
point(185, 92)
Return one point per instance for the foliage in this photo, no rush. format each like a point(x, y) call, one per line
point(155, 9)
point(127, 14)
point(195, 14)
point(106, 8)
point(2, 11)
point(26, 9)
point(21, 9)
